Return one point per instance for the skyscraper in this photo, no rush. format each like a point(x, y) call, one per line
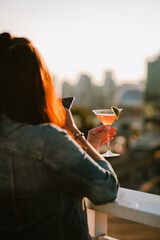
point(152, 93)
point(108, 89)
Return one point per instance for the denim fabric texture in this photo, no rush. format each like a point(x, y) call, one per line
point(44, 175)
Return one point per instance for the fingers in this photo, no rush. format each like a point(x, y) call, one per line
point(100, 135)
point(113, 129)
point(102, 128)
point(105, 140)
point(101, 132)
point(98, 129)
point(112, 133)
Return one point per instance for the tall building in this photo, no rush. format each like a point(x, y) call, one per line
point(67, 90)
point(89, 95)
point(152, 95)
point(109, 89)
point(83, 91)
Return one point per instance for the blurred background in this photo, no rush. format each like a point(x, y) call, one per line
point(104, 53)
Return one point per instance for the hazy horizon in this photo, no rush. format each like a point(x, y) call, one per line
point(88, 36)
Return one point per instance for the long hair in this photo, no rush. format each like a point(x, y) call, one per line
point(27, 92)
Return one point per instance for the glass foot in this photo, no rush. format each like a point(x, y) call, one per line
point(110, 154)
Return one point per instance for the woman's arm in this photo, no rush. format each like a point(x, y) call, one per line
point(69, 168)
point(82, 173)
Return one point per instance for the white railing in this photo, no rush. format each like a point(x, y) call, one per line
point(132, 205)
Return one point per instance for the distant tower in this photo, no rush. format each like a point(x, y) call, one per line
point(108, 89)
point(152, 92)
point(67, 90)
point(83, 91)
point(152, 95)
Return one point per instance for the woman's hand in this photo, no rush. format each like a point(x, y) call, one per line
point(96, 136)
point(69, 122)
point(99, 136)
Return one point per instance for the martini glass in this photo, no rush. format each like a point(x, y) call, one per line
point(107, 117)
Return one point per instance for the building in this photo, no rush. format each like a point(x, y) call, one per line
point(152, 95)
point(130, 98)
point(152, 92)
point(83, 91)
point(67, 90)
point(109, 89)
point(129, 95)
point(90, 95)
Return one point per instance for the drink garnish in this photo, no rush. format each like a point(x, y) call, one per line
point(116, 111)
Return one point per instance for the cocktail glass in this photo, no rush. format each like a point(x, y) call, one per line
point(107, 117)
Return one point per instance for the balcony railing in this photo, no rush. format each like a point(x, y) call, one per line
point(132, 205)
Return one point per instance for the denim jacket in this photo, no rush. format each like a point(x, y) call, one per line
point(44, 175)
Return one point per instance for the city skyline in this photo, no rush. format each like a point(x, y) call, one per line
point(91, 36)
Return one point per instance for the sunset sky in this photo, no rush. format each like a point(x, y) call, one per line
point(88, 36)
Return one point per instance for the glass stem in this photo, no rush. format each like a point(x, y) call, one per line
point(108, 143)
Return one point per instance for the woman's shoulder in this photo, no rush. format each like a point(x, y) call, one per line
point(51, 128)
point(53, 132)
point(44, 130)
point(14, 129)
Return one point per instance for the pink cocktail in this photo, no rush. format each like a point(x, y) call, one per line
point(107, 117)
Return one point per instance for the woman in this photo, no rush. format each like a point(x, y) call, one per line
point(44, 172)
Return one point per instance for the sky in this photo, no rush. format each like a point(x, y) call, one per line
point(88, 36)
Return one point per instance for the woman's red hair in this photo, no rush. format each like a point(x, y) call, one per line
point(27, 92)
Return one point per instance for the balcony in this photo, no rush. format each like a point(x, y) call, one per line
point(132, 205)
